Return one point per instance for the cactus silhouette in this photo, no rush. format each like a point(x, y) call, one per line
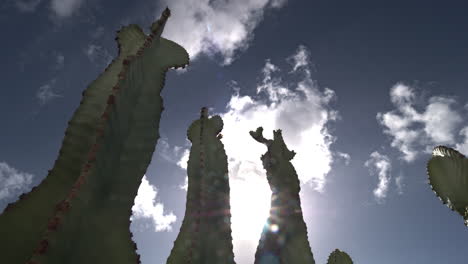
point(448, 177)
point(339, 257)
point(205, 234)
point(284, 238)
point(80, 212)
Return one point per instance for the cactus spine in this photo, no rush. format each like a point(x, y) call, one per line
point(448, 177)
point(80, 212)
point(205, 234)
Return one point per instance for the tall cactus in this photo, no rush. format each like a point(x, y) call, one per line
point(205, 234)
point(284, 239)
point(339, 257)
point(448, 177)
point(80, 212)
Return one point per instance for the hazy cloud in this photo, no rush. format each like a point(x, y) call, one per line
point(98, 55)
point(215, 27)
point(146, 207)
point(463, 146)
point(59, 61)
point(399, 184)
point(413, 132)
point(65, 8)
point(45, 93)
point(381, 166)
point(27, 5)
point(13, 182)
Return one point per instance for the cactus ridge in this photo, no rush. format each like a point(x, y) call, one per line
point(447, 172)
point(95, 177)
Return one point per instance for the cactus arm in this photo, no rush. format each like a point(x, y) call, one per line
point(448, 176)
point(107, 148)
point(205, 234)
point(339, 257)
point(284, 238)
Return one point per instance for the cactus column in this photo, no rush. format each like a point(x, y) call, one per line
point(80, 212)
point(205, 234)
point(284, 238)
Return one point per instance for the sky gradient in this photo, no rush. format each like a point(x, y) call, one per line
point(362, 93)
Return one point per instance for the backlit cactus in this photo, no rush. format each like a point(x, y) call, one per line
point(448, 177)
point(284, 238)
point(339, 257)
point(80, 212)
point(205, 234)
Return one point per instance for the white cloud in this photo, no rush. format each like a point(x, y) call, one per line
point(300, 59)
point(98, 55)
point(413, 132)
point(380, 164)
point(27, 5)
point(13, 182)
point(65, 8)
point(146, 207)
point(45, 92)
point(215, 27)
point(303, 113)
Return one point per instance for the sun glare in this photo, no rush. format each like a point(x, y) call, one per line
point(250, 206)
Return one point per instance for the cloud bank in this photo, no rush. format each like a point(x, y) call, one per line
point(414, 132)
point(215, 27)
point(146, 207)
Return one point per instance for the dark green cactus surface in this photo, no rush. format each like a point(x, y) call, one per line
point(448, 177)
point(80, 212)
point(339, 257)
point(205, 234)
point(284, 238)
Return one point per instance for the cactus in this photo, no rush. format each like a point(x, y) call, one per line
point(284, 238)
point(448, 177)
point(205, 234)
point(339, 257)
point(80, 212)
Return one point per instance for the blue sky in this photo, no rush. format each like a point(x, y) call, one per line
point(362, 92)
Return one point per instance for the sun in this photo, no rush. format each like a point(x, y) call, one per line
point(250, 206)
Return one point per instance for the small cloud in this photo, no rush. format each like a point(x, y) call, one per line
point(300, 59)
point(380, 164)
point(345, 156)
point(98, 55)
point(59, 61)
point(27, 6)
point(399, 184)
point(45, 92)
point(413, 132)
point(146, 207)
point(211, 27)
point(65, 8)
point(13, 182)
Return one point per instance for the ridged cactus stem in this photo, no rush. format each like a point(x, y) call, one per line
point(205, 234)
point(80, 212)
point(284, 237)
